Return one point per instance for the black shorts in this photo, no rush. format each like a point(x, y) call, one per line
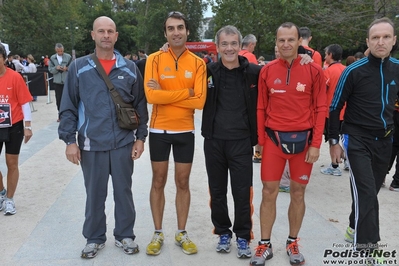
point(15, 135)
point(183, 147)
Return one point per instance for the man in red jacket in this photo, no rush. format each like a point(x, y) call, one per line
point(291, 113)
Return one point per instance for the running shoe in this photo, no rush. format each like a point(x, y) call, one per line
point(296, 258)
point(284, 189)
point(128, 245)
point(3, 196)
point(349, 234)
point(154, 248)
point(9, 207)
point(91, 249)
point(331, 171)
point(394, 186)
point(224, 244)
point(187, 246)
point(243, 250)
point(346, 165)
point(263, 252)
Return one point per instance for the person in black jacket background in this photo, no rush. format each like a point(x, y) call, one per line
point(229, 129)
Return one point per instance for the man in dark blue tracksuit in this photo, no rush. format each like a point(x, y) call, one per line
point(369, 88)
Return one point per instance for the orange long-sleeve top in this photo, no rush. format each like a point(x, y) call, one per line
point(173, 108)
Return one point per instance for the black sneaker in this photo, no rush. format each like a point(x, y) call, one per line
point(394, 186)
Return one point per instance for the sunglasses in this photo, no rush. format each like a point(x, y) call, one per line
point(175, 14)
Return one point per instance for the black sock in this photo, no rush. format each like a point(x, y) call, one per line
point(291, 239)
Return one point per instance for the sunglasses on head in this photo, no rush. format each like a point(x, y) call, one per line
point(175, 14)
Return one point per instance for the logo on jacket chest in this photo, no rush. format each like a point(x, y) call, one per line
point(187, 75)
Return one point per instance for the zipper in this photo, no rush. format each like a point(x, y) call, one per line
point(382, 94)
point(287, 80)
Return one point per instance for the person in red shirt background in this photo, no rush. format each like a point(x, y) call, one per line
point(14, 127)
point(248, 47)
point(306, 36)
point(331, 74)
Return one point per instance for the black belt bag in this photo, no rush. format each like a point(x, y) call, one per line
point(292, 142)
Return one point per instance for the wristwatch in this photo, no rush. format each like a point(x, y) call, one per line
point(333, 142)
point(28, 128)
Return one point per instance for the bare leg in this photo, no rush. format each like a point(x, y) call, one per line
point(268, 208)
point(12, 174)
point(1, 182)
point(157, 193)
point(296, 210)
point(182, 180)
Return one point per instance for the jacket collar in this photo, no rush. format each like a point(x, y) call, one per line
point(377, 61)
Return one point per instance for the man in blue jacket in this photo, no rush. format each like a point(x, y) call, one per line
point(102, 147)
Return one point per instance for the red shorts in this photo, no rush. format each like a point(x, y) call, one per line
point(274, 160)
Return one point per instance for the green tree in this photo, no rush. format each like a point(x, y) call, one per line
point(35, 26)
point(151, 15)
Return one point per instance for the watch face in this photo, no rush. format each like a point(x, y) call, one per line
point(333, 141)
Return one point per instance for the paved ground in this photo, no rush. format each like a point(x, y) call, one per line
point(50, 209)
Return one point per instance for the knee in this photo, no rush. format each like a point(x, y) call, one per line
point(12, 165)
point(297, 195)
point(158, 182)
point(269, 193)
point(182, 184)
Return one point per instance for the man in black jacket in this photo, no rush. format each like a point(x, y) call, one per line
point(229, 129)
point(369, 88)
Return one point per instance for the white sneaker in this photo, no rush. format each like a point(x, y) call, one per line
point(2, 200)
point(331, 171)
point(346, 165)
point(9, 208)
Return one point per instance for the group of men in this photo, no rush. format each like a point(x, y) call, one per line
point(281, 107)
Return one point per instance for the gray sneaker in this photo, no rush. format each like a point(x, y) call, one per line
point(346, 165)
point(331, 171)
point(9, 207)
point(243, 250)
point(91, 249)
point(128, 246)
point(263, 252)
point(224, 244)
point(296, 258)
point(3, 199)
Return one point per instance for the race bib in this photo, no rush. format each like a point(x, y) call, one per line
point(5, 115)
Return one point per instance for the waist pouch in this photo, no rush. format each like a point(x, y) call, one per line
point(291, 142)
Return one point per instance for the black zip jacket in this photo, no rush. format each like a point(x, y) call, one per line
point(369, 87)
point(250, 74)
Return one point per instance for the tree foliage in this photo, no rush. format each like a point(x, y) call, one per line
point(35, 26)
point(331, 21)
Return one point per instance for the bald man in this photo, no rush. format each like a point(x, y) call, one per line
point(102, 147)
